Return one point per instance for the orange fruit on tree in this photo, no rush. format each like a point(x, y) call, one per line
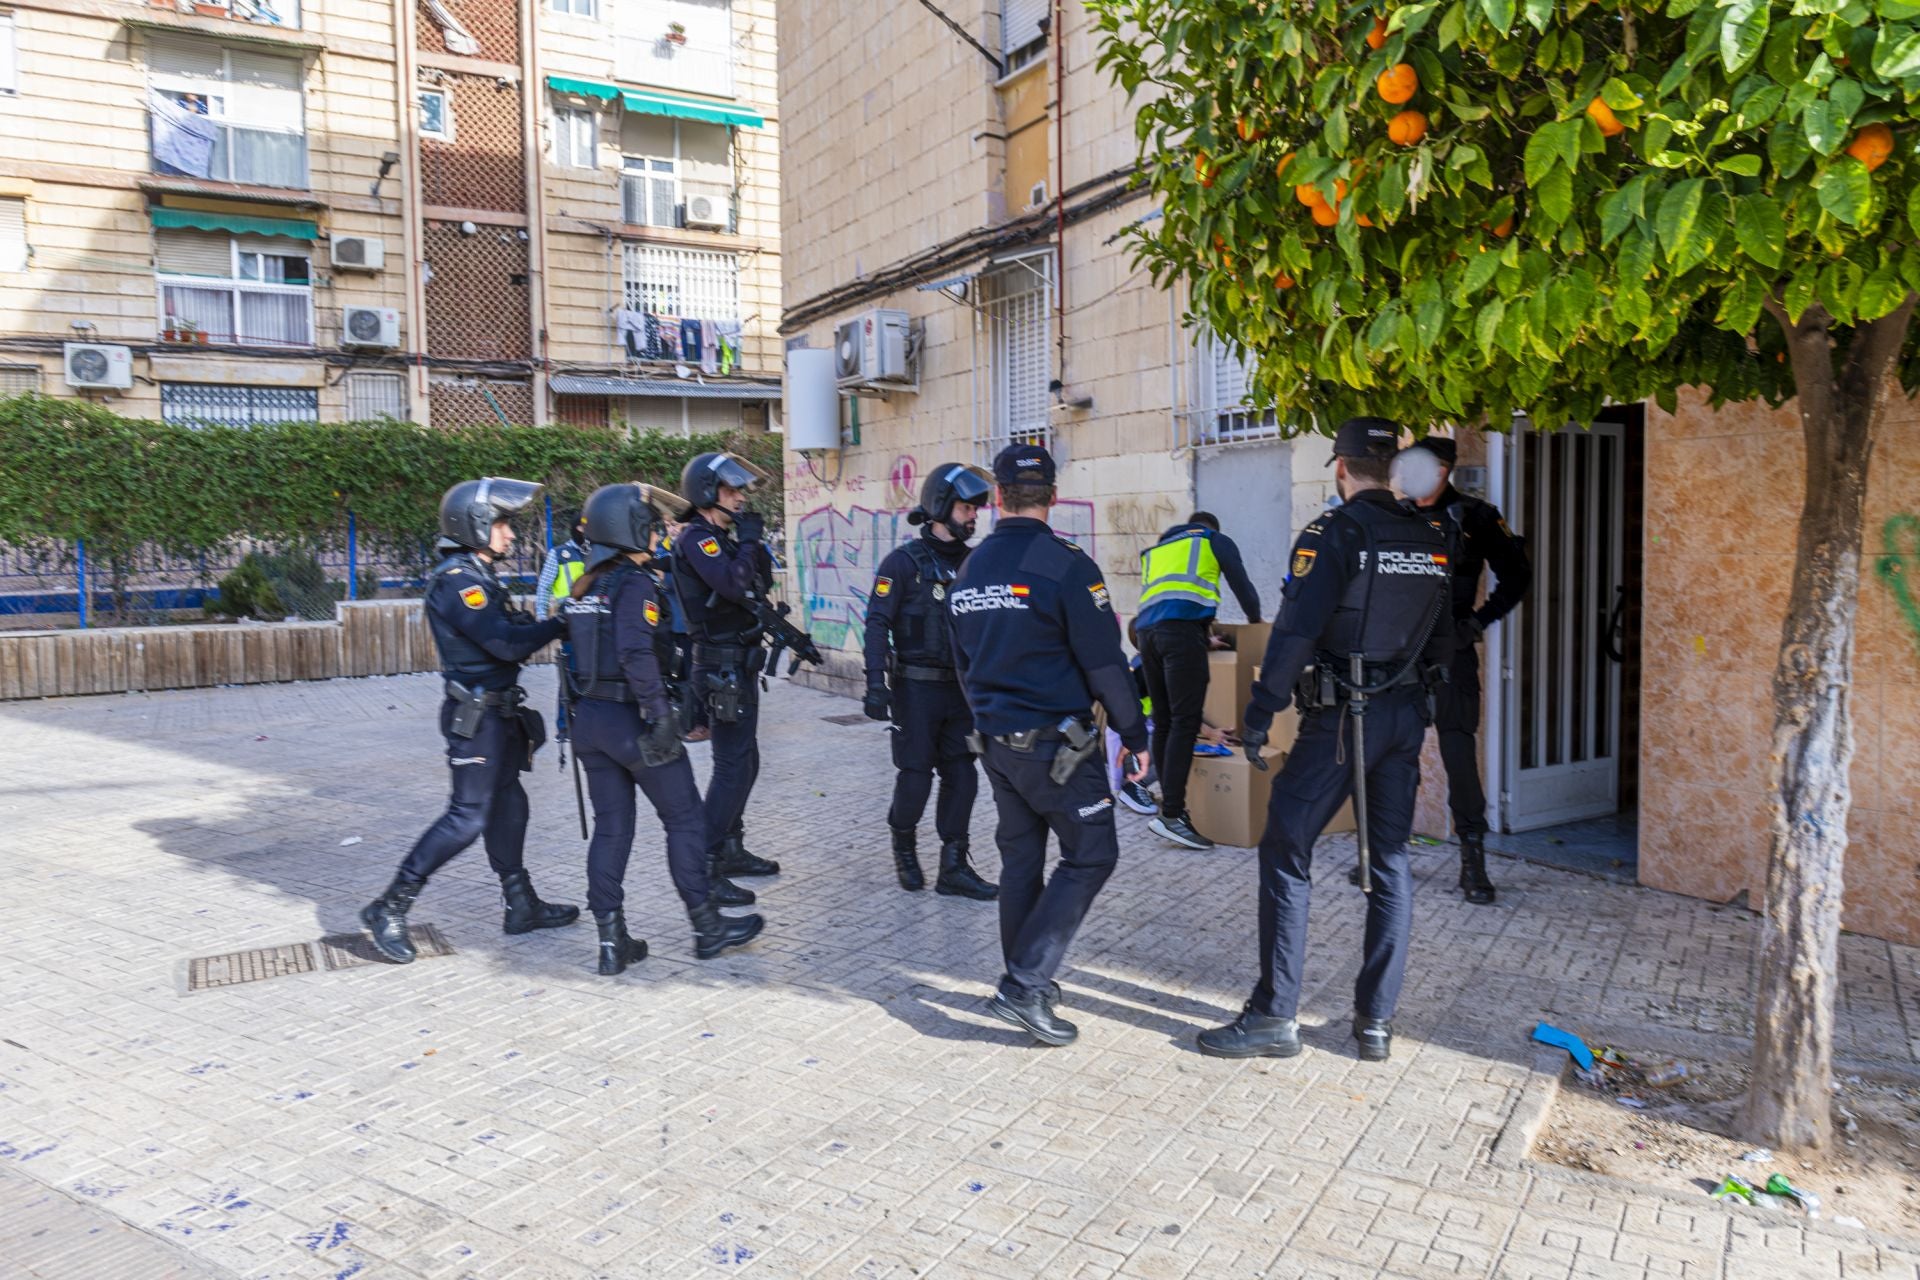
point(1281, 280)
point(1398, 83)
point(1872, 145)
point(1504, 227)
point(1377, 36)
point(1246, 128)
point(1308, 194)
point(1339, 190)
point(1364, 220)
point(1203, 169)
point(1603, 116)
point(1408, 127)
point(1280, 169)
point(1325, 215)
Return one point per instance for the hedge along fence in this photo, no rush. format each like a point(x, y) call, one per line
point(75, 472)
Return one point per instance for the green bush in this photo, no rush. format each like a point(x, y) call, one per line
point(248, 592)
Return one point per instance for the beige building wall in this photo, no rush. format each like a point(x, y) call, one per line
point(74, 146)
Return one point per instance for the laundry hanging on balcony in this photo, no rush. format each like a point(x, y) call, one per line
point(183, 140)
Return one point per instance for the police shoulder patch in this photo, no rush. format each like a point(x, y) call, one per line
point(710, 546)
point(474, 598)
point(1067, 542)
point(883, 587)
point(652, 612)
point(1318, 526)
point(1101, 598)
point(1303, 558)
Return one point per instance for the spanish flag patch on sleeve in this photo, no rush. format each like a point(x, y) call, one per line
point(710, 546)
point(883, 587)
point(652, 612)
point(474, 597)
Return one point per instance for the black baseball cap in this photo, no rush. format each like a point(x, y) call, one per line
point(1441, 447)
point(1024, 464)
point(1367, 438)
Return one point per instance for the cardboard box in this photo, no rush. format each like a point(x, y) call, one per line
point(1227, 797)
point(1229, 685)
point(1249, 640)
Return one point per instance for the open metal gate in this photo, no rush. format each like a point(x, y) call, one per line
point(1561, 648)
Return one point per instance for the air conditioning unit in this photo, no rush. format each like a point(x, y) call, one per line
point(359, 253)
point(369, 327)
point(872, 350)
point(708, 209)
point(96, 365)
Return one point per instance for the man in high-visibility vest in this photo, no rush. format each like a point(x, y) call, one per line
point(558, 572)
point(1179, 594)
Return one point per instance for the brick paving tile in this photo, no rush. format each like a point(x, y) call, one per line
point(832, 1102)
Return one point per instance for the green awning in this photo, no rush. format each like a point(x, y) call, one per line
point(239, 224)
point(583, 88)
point(649, 103)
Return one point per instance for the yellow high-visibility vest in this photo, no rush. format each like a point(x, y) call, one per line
point(1181, 568)
point(571, 566)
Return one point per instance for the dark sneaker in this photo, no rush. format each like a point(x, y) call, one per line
point(1376, 1038)
point(1137, 798)
point(1034, 1014)
point(1180, 831)
point(1252, 1035)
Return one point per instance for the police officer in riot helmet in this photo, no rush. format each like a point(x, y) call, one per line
point(1363, 630)
point(1035, 641)
point(491, 734)
point(626, 733)
point(721, 568)
point(909, 637)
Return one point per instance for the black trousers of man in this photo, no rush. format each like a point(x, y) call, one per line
point(931, 721)
point(736, 756)
point(1038, 915)
point(606, 737)
point(1315, 781)
point(488, 800)
point(1457, 725)
point(1173, 657)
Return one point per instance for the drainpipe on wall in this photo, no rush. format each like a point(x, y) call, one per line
point(531, 96)
point(407, 30)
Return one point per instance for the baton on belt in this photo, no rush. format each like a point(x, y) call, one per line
point(1357, 717)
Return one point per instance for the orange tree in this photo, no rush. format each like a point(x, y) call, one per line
point(1456, 210)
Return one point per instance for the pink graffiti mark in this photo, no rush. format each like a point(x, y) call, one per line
point(902, 477)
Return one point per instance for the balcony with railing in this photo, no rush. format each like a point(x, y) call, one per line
point(258, 157)
point(200, 312)
point(265, 13)
point(675, 63)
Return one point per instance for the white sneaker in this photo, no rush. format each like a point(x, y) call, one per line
point(1137, 798)
point(1180, 831)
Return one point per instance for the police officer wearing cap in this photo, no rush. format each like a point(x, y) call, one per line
point(1363, 621)
point(721, 569)
point(1035, 641)
point(909, 636)
point(1480, 540)
point(625, 732)
point(491, 734)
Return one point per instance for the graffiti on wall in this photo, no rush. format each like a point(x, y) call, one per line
point(1898, 568)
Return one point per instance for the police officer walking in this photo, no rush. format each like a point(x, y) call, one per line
point(1179, 594)
point(1035, 641)
point(721, 570)
point(909, 637)
point(558, 572)
point(1480, 539)
point(625, 731)
point(1363, 619)
point(491, 734)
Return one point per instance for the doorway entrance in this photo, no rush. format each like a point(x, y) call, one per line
point(1566, 717)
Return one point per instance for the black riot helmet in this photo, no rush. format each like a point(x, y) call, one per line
point(469, 509)
point(947, 484)
point(700, 482)
point(624, 517)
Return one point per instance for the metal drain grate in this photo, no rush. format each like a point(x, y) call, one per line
point(236, 967)
point(857, 718)
point(350, 950)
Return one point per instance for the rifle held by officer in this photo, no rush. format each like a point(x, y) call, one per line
point(782, 635)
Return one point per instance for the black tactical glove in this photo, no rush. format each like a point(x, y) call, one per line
point(1470, 629)
point(751, 526)
point(660, 744)
point(1253, 740)
point(878, 703)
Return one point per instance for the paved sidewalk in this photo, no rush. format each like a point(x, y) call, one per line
point(830, 1102)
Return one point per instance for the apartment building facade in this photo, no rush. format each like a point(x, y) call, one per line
point(446, 210)
point(962, 179)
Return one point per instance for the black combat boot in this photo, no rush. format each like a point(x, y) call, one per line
point(906, 860)
point(1034, 1014)
point(1252, 1035)
point(1375, 1036)
point(958, 877)
point(1473, 870)
point(617, 948)
point(714, 933)
point(525, 911)
point(386, 919)
point(724, 892)
point(736, 861)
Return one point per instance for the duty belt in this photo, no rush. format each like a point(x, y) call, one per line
point(511, 696)
point(932, 674)
point(720, 655)
point(1028, 739)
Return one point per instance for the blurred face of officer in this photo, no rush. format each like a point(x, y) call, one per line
point(502, 537)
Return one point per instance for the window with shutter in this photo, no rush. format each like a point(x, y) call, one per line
point(376, 395)
point(19, 379)
point(253, 110)
point(193, 253)
point(575, 144)
point(216, 290)
point(1019, 298)
point(1020, 30)
point(13, 233)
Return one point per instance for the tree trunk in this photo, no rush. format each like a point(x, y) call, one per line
point(1788, 1103)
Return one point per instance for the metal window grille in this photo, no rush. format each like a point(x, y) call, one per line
point(1218, 413)
point(13, 234)
point(1018, 299)
point(214, 404)
point(697, 284)
point(19, 379)
point(376, 395)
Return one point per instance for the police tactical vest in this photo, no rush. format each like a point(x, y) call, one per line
point(460, 658)
point(593, 666)
point(1384, 612)
point(722, 622)
point(1183, 567)
point(925, 638)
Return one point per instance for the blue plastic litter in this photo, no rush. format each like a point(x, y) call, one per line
point(1210, 749)
point(1547, 1033)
